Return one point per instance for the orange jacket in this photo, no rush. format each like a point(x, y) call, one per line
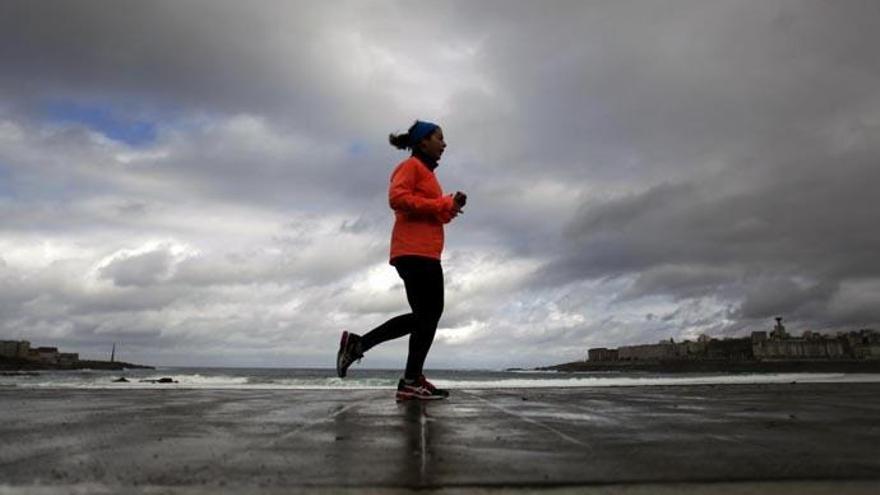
point(420, 210)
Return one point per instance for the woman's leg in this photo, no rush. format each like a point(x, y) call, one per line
point(402, 324)
point(424, 291)
point(392, 329)
point(423, 280)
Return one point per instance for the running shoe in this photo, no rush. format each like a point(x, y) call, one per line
point(349, 352)
point(430, 386)
point(415, 391)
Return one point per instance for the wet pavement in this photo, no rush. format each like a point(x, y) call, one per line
point(786, 438)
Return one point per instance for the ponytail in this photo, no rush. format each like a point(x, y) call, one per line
point(418, 131)
point(399, 141)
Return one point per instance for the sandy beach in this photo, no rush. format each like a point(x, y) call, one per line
point(767, 438)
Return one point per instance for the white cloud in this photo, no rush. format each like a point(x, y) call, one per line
point(636, 171)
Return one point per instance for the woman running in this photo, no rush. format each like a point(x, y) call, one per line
point(420, 210)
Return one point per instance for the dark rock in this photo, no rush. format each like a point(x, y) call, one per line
point(121, 379)
point(164, 379)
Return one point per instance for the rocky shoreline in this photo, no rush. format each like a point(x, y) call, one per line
point(722, 366)
point(8, 364)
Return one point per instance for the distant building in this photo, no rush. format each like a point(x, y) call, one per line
point(863, 344)
point(602, 354)
point(649, 352)
point(8, 348)
point(15, 349)
point(68, 358)
point(47, 354)
point(692, 350)
point(811, 345)
point(730, 349)
point(778, 345)
point(798, 348)
point(21, 349)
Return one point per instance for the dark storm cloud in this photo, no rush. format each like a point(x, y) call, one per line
point(198, 53)
point(800, 221)
point(644, 97)
point(742, 132)
point(812, 224)
point(307, 108)
point(165, 61)
point(668, 84)
point(681, 280)
point(766, 296)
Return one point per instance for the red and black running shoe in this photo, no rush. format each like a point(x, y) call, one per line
point(415, 391)
point(430, 386)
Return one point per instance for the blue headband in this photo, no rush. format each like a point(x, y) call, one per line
point(420, 130)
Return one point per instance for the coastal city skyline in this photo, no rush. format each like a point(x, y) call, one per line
point(857, 347)
point(205, 182)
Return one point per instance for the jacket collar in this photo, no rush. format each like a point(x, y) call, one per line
point(428, 162)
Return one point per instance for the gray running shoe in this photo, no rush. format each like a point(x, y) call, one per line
point(349, 352)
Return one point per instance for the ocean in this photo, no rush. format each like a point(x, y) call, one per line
point(321, 379)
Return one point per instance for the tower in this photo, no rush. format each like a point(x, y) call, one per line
point(779, 330)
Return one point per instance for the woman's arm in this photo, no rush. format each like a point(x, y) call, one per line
point(402, 197)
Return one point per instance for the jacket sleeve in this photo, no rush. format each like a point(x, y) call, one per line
point(402, 197)
point(446, 216)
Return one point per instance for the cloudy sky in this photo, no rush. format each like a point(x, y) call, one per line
point(205, 182)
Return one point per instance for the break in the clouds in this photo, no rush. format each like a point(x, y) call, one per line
point(204, 182)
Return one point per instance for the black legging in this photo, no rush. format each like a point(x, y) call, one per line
point(423, 279)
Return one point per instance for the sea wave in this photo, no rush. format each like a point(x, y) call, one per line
point(232, 381)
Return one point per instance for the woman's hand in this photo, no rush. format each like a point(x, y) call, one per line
point(459, 200)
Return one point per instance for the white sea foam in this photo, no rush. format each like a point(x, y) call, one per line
point(231, 381)
point(621, 381)
point(102, 381)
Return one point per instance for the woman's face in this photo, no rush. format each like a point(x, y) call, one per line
point(434, 144)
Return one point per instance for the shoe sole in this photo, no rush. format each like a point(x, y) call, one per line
point(342, 344)
point(444, 394)
point(402, 398)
